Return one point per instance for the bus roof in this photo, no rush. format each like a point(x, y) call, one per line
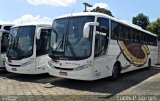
point(33, 23)
point(109, 17)
point(7, 24)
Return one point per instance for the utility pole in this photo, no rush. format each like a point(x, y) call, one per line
point(86, 5)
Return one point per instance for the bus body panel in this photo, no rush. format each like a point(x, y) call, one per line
point(104, 65)
point(86, 73)
point(101, 67)
point(35, 67)
point(18, 66)
point(41, 64)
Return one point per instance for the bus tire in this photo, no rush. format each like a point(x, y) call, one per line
point(116, 71)
point(149, 63)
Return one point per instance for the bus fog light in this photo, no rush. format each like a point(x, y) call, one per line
point(81, 68)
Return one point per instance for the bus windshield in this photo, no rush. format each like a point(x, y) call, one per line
point(67, 41)
point(21, 41)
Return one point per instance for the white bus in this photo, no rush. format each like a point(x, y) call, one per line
point(4, 33)
point(91, 46)
point(28, 48)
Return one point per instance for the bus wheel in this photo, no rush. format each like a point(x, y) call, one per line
point(116, 72)
point(149, 63)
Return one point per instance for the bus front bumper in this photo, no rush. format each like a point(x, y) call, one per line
point(85, 74)
point(3, 64)
point(20, 70)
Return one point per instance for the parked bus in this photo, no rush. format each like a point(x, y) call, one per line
point(91, 46)
point(4, 33)
point(28, 48)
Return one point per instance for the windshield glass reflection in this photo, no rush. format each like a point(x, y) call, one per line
point(21, 41)
point(67, 41)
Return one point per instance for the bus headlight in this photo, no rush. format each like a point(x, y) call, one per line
point(81, 68)
point(26, 63)
point(50, 64)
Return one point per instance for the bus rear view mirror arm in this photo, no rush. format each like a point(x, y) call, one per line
point(39, 32)
point(86, 28)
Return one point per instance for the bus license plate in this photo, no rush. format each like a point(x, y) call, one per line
point(14, 69)
point(63, 73)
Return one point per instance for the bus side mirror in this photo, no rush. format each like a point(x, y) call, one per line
point(39, 32)
point(86, 28)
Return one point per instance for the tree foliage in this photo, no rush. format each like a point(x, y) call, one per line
point(102, 10)
point(154, 27)
point(141, 20)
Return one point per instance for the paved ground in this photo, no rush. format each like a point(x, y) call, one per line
point(145, 84)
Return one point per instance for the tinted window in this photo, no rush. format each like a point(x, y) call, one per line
point(115, 31)
point(21, 42)
point(122, 32)
point(43, 42)
point(7, 28)
point(4, 42)
point(155, 41)
point(101, 39)
point(103, 25)
point(126, 33)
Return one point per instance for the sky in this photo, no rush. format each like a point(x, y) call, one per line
point(18, 11)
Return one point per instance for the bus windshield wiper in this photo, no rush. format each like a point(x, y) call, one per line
point(60, 44)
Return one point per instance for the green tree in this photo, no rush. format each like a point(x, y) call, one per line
point(141, 20)
point(102, 10)
point(154, 27)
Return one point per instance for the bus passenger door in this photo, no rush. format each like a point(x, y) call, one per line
point(101, 45)
point(42, 46)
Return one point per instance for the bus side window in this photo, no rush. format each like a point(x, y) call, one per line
point(155, 41)
point(7, 28)
point(121, 33)
point(127, 33)
point(114, 33)
point(101, 38)
point(138, 37)
point(43, 42)
point(158, 38)
point(4, 42)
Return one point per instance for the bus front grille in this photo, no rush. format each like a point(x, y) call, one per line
point(14, 65)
